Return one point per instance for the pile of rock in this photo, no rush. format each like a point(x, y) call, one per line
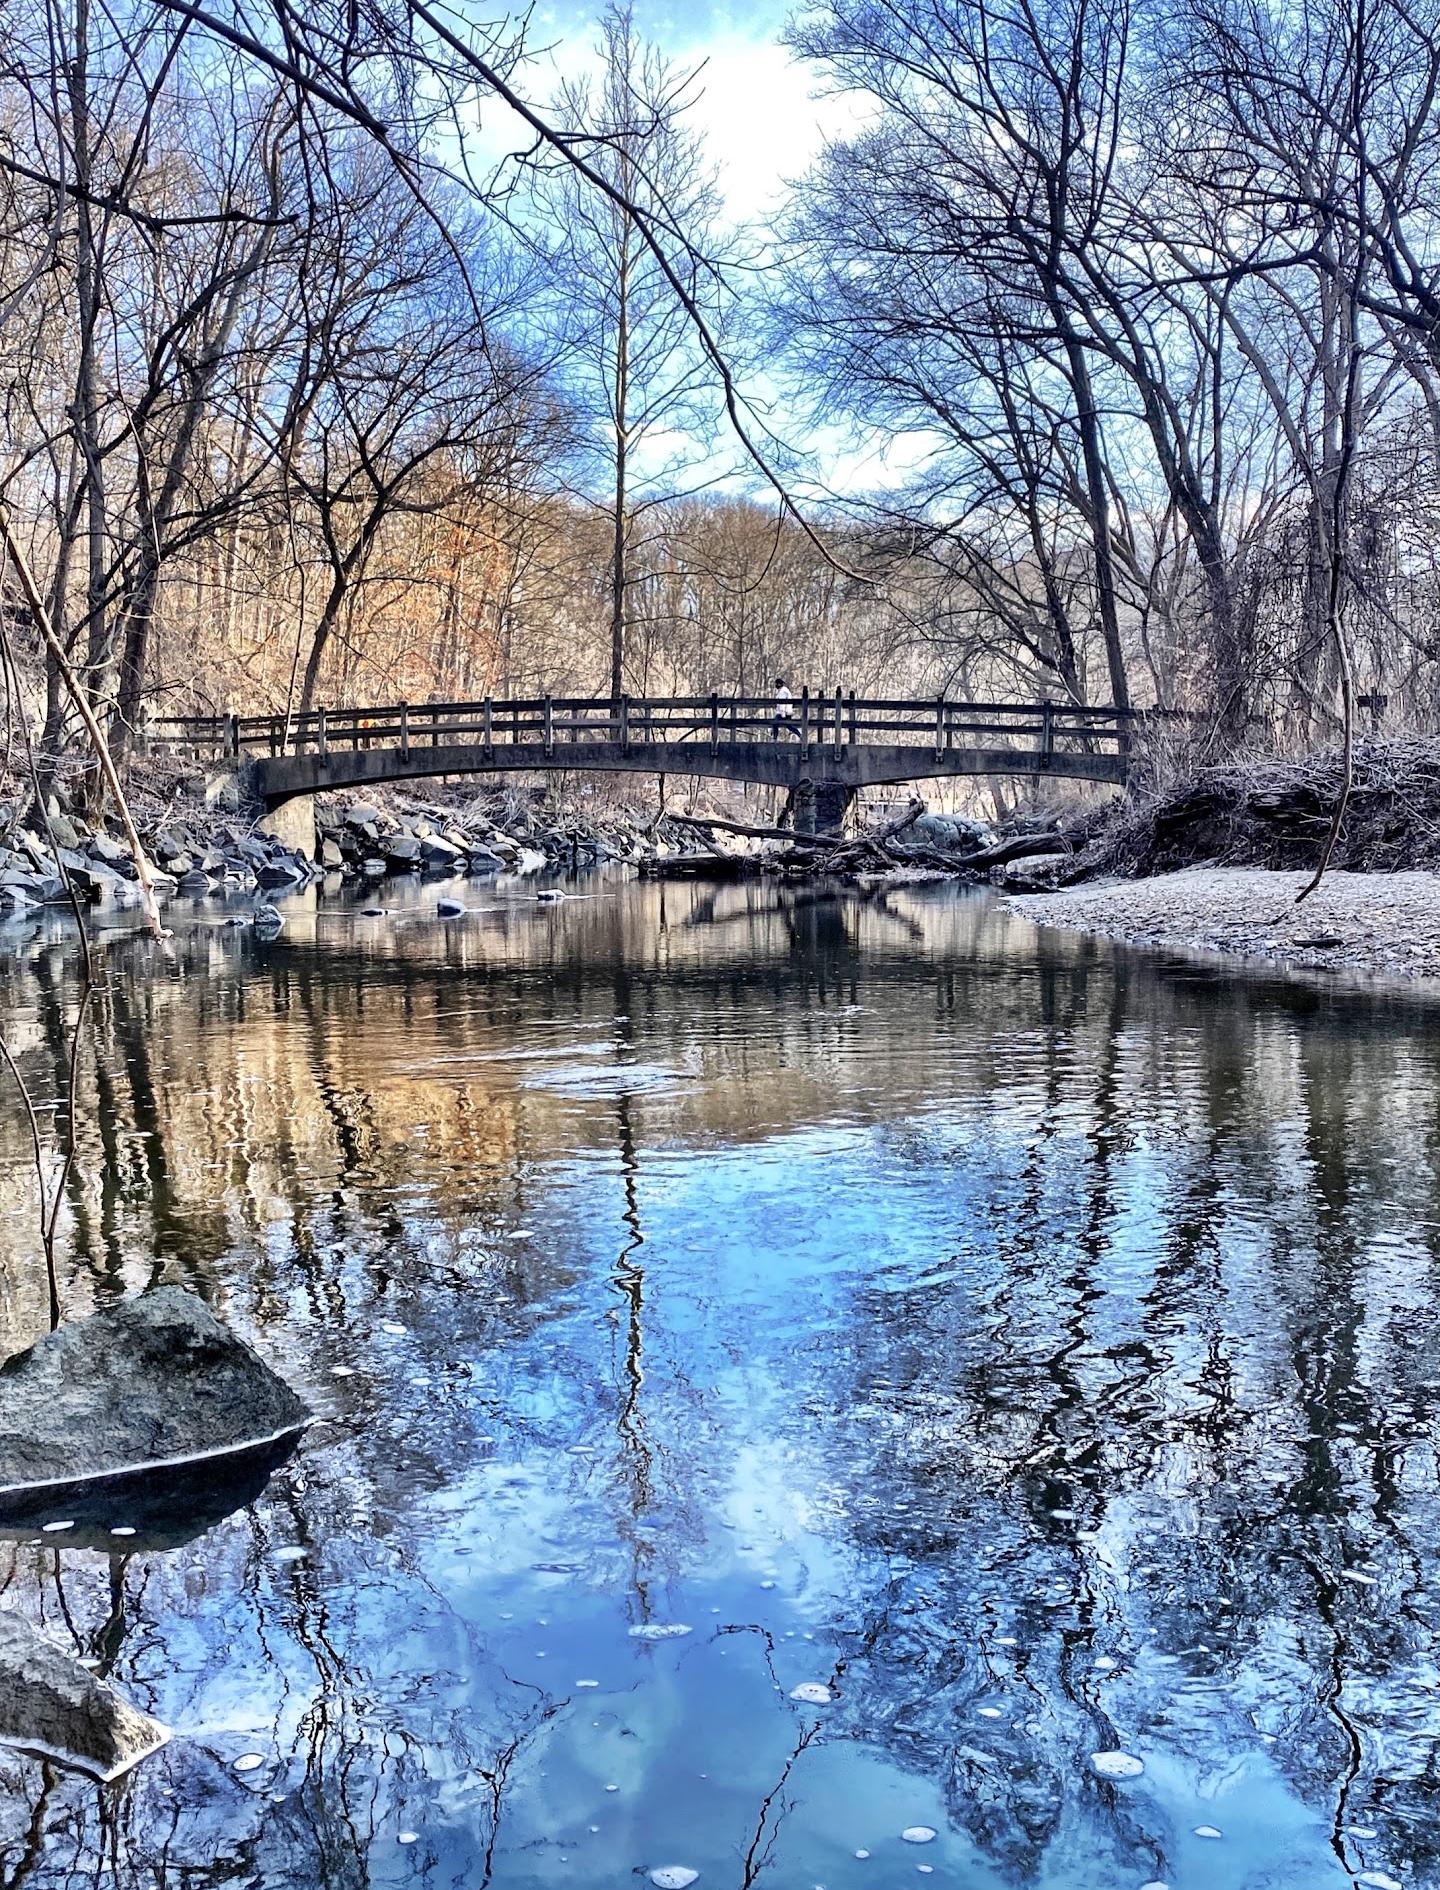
point(225, 857)
point(216, 857)
point(509, 832)
point(195, 850)
point(363, 837)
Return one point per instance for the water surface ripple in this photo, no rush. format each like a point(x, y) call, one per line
point(1024, 1349)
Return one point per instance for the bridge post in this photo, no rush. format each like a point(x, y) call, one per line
point(805, 723)
point(322, 740)
point(405, 730)
point(624, 725)
point(488, 725)
point(852, 718)
point(549, 726)
point(232, 737)
point(714, 723)
point(939, 727)
point(839, 731)
point(1047, 732)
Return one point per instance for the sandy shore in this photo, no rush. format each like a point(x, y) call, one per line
point(1386, 924)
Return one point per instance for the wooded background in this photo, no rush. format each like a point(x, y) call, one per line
point(309, 396)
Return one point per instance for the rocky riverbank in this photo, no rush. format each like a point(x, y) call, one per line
point(1376, 924)
point(195, 850)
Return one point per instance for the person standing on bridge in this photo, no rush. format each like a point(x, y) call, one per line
point(784, 712)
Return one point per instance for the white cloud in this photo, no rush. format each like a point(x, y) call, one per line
point(757, 107)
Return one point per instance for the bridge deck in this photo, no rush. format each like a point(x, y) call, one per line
point(833, 738)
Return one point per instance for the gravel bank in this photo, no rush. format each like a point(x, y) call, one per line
point(1386, 924)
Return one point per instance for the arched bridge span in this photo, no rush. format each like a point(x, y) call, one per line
point(834, 739)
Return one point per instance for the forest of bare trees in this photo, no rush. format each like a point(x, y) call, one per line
point(339, 361)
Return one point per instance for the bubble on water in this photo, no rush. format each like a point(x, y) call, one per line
point(1365, 1581)
point(1006, 1640)
point(587, 1683)
point(248, 1762)
point(811, 1693)
point(1208, 1831)
point(1361, 1831)
point(293, 1554)
point(342, 1371)
point(122, 1529)
point(1105, 1664)
point(862, 1855)
point(612, 1788)
point(1379, 1880)
point(1117, 1764)
point(990, 1712)
point(391, 1325)
point(918, 1834)
point(658, 1631)
point(767, 1584)
point(593, 1829)
point(1155, 1884)
point(54, 1528)
point(407, 1837)
point(673, 1877)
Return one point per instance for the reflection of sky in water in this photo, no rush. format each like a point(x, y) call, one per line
point(1031, 1345)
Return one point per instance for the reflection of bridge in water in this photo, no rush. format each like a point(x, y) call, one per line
point(833, 740)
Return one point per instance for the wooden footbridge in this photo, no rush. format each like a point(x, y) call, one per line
point(832, 739)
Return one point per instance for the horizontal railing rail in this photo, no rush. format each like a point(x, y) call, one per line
point(832, 718)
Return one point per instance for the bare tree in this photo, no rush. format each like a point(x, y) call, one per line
point(637, 368)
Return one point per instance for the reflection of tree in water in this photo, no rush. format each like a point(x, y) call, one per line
point(1186, 1303)
point(634, 1521)
point(1179, 1448)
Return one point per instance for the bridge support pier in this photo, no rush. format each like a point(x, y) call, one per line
point(833, 802)
point(292, 823)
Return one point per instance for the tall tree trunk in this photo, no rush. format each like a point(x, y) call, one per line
point(619, 571)
point(87, 415)
point(1092, 451)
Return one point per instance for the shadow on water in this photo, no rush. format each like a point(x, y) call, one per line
point(713, 1291)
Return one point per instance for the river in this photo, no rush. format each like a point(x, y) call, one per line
point(1025, 1348)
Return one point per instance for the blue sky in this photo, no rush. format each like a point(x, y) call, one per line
point(764, 117)
point(761, 120)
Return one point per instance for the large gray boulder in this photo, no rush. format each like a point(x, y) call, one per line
point(152, 1382)
point(951, 833)
point(50, 1704)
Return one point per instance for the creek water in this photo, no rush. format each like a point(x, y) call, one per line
point(1025, 1348)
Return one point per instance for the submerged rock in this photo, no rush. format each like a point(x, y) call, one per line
point(151, 1382)
point(50, 1704)
point(1117, 1764)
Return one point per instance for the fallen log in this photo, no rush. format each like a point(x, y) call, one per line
point(1020, 847)
point(749, 831)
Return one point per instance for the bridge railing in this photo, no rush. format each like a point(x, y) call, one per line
point(818, 719)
